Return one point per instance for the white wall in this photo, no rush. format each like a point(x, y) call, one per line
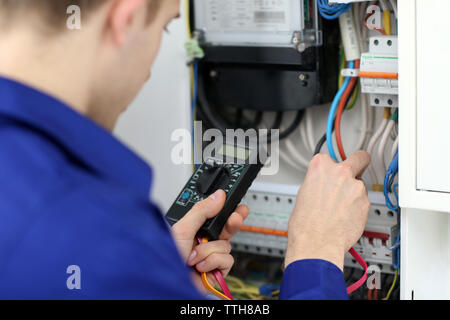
point(162, 107)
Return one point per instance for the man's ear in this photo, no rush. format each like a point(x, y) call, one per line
point(121, 17)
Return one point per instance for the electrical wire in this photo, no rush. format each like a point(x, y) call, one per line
point(330, 128)
point(356, 92)
point(193, 112)
point(210, 115)
point(384, 140)
point(391, 173)
point(365, 122)
point(188, 20)
point(394, 7)
point(320, 144)
point(300, 162)
point(332, 11)
point(310, 130)
point(395, 147)
point(373, 141)
point(258, 119)
point(298, 119)
point(392, 287)
point(304, 137)
point(333, 110)
point(226, 295)
point(340, 111)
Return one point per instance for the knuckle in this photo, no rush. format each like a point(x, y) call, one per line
point(360, 188)
point(200, 206)
point(318, 163)
point(319, 160)
point(227, 247)
point(344, 170)
point(231, 260)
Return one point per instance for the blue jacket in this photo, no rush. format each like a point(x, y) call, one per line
point(75, 217)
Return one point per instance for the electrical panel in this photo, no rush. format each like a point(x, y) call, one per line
point(265, 230)
point(251, 46)
point(335, 65)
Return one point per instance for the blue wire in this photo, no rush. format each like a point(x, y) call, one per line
point(396, 261)
point(332, 11)
point(193, 109)
point(388, 187)
point(388, 182)
point(334, 107)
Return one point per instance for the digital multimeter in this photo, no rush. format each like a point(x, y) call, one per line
point(233, 169)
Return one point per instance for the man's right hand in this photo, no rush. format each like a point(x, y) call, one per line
point(331, 210)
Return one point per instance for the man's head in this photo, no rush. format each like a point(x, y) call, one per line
point(99, 68)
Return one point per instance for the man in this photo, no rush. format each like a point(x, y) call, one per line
point(76, 222)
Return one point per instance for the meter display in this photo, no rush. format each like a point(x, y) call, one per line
point(249, 22)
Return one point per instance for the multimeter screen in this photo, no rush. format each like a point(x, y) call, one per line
point(234, 152)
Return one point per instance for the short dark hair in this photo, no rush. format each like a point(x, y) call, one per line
point(55, 11)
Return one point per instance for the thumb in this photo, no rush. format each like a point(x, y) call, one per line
point(191, 223)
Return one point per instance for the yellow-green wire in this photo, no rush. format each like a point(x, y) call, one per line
point(392, 287)
point(355, 96)
point(191, 68)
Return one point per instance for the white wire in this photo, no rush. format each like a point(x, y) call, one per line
point(365, 123)
point(384, 5)
point(394, 7)
point(372, 117)
point(371, 147)
point(304, 136)
point(365, 32)
point(301, 160)
point(382, 147)
point(395, 147)
point(359, 27)
point(310, 130)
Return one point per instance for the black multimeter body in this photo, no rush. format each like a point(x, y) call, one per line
point(219, 172)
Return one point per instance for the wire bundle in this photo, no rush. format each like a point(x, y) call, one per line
point(389, 184)
point(226, 295)
point(389, 187)
point(340, 102)
point(332, 11)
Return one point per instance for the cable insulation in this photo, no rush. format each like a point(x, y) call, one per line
point(340, 111)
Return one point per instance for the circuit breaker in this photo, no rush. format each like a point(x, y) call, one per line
point(265, 230)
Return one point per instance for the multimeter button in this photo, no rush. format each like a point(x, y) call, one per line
point(186, 195)
point(212, 180)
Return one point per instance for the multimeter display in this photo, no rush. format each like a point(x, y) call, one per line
point(234, 152)
point(214, 174)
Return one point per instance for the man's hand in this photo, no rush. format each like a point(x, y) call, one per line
point(213, 255)
point(331, 210)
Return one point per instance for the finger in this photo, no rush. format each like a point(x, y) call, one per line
point(191, 223)
point(204, 250)
point(234, 223)
point(222, 262)
point(358, 162)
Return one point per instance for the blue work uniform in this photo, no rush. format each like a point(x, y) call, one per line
point(76, 221)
